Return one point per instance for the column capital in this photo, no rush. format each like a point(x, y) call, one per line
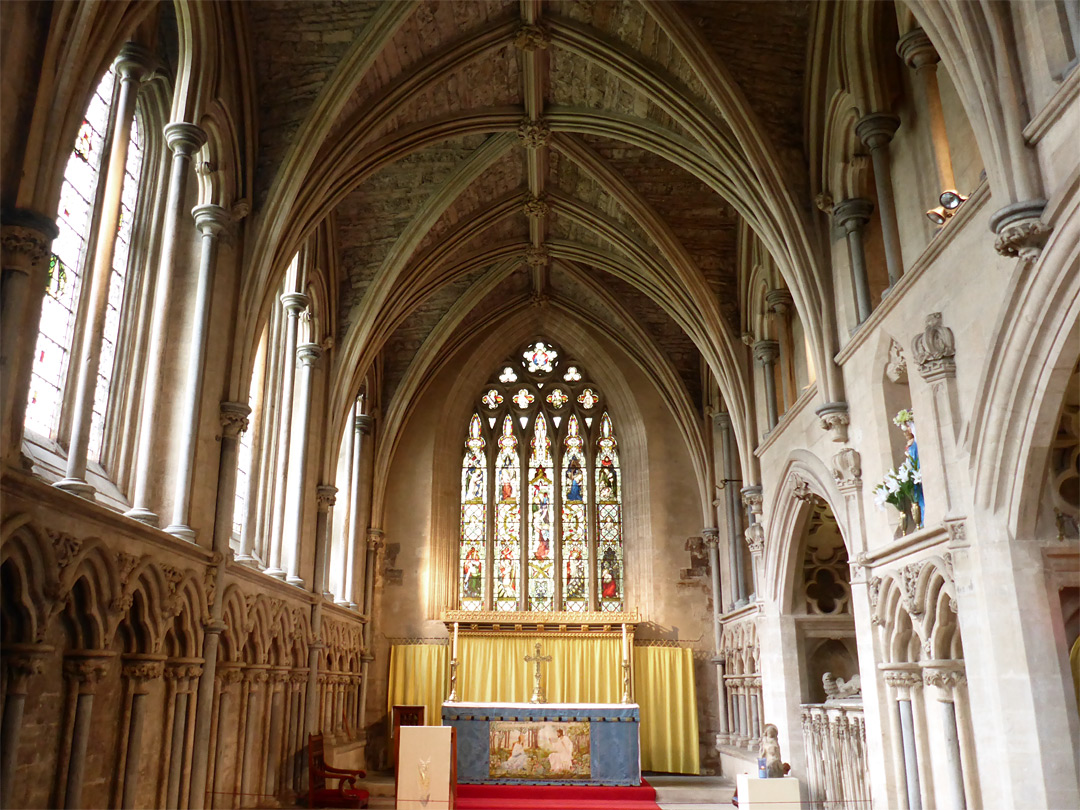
point(233, 417)
point(833, 417)
point(85, 669)
point(779, 300)
point(766, 352)
point(877, 129)
point(853, 213)
point(134, 62)
point(375, 539)
point(143, 668)
point(722, 420)
point(752, 497)
point(294, 302)
point(916, 49)
point(184, 138)
point(1020, 231)
point(23, 661)
point(945, 675)
point(212, 220)
point(26, 239)
point(903, 679)
point(710, 535)
point(324, 496)
point(307, 354)
point(365, 423)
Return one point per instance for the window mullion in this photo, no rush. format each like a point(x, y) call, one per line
point(592, 519)
point(556, 522)
point(523, 517)
point(489, 519)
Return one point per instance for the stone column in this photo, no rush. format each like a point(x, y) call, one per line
point(375, 540)
point(944, 681)
point(365, 424)
point(247, 767)
point(918, 53)
point(351, 542)
point(324, 501)
point(179, 672)
point(234, 422)
point(131, 66)
point(876, 132)
point(138, 671)
point(212, 221)
point(184, 140)
point(83, 672)
point(851, 216)
point(733, 514)
point(293, 303)
point(781, 304)
point(903, 682)
point(711, 536)
point(766, 353)
point(306, 356)
point(25, 249)
point(23, 661)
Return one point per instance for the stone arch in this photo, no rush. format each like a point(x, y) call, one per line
point(30, 582)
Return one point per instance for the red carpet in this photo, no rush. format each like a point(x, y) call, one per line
point(555, 797)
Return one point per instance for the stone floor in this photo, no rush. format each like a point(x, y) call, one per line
point(673, 791)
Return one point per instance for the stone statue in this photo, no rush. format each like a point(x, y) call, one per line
point(838, 688)
point(770, 752)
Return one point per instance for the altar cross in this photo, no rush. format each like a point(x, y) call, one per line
point(538, 691)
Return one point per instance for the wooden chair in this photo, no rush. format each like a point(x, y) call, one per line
point(346, 794)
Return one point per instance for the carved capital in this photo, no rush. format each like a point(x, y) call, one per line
point(1020, 231)
point(375, 539)
point(935, 349)
point(23, 661)
point(877, 129)
point(752, 499)
point(535, 207)
point(766, 352)
point(324, 496)
point(833, 417)
point(26, 240)
point(847, 468)
point(710, 537)
point(916, 49)
point(308, 354)
point(532, 38)
point(534, 134)
point(294, 302)
point(212, 220)
point(85, 671)
point(228, 675)
point(184, 139)
point(946, 678)
point(142, 669)
point(852, 214)
point(233, 417)
point(903, 680)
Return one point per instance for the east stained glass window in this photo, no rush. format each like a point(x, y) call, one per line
point(552, 539)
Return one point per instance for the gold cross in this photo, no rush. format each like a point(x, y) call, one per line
point(538, 692)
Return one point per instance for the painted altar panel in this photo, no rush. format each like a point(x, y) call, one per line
point(608, 732)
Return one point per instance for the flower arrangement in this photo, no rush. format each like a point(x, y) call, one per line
point(903, 417)
point(898, 486)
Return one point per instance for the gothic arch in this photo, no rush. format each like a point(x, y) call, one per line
point(805, 476)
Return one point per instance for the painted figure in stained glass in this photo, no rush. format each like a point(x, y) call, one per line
point(471, 574)
point(609, 566)
point(540, 357)
point(473, 518)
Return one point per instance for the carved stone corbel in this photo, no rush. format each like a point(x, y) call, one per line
point(934, 350)
point(834, 418)
point(1020, 231)
point(896, 366)
point(847, 468)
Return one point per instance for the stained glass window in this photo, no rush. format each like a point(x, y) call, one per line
point(609, 518)
point(555, 532)
point(507, 521)
point(68, 268)
point(474, 497)
point(575, 536)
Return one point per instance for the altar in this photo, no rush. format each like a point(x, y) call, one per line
point(547, 744)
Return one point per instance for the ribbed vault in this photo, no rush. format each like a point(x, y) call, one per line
point(481, 157)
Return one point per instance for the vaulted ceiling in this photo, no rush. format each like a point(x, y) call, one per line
point(475, 155)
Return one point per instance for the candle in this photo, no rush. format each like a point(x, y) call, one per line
point(453, 653)
point(625, 644)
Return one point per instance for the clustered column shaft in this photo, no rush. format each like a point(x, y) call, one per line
point(876, 132)
point(766, 352)
point(851, 216)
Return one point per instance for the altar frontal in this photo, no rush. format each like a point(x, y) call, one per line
point(589, 737)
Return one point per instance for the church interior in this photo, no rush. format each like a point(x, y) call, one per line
point(717, 361)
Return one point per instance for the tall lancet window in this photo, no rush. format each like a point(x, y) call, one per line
point(553, 540)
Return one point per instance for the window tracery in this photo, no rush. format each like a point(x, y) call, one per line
point(540, 448)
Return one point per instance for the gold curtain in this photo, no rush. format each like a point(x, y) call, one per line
point(419, 675)
point(664, 688)
point(583, 669)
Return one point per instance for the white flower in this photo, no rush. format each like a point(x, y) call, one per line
point(880, 496)
point(917, 476)
point(892, 483)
